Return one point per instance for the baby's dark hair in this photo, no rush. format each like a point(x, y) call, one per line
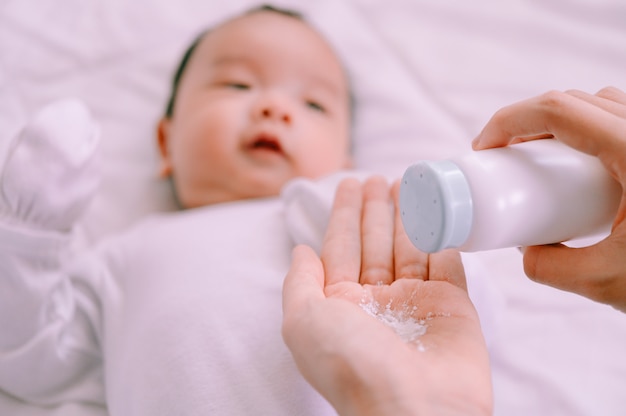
point(169, 109)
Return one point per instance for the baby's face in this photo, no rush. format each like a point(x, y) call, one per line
point(263, 99)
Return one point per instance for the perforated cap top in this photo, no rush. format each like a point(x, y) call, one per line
point(436, 205)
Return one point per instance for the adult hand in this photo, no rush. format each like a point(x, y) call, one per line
point(596, 125)
point(377, 327)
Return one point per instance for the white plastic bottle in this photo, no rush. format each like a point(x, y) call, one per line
point(537, 192)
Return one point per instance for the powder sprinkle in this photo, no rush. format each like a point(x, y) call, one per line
point(408, 328)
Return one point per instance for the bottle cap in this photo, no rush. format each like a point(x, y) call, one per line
point(436, 205)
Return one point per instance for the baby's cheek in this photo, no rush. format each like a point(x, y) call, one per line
point(322, 167)
point(323, 153)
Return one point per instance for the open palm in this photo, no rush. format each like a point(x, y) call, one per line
point(379, 327)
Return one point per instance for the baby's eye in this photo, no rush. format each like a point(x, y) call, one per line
point(314, 105)
point(237, 86)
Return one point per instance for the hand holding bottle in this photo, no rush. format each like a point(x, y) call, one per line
point(593, 124)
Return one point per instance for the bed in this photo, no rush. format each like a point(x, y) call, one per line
point(426, 75)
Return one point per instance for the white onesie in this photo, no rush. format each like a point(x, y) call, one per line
point(179, 316)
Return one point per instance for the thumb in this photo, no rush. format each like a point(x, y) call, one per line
point(304, 281)
point(596, 272)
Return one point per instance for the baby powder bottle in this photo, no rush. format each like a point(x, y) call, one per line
point(536, 192)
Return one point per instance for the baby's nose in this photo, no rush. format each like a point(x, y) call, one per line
point(276, 113)
point(275, 108)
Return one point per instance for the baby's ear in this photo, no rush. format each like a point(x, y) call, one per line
point(163, 137)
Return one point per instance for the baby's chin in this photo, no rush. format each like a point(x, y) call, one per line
point(202, 199)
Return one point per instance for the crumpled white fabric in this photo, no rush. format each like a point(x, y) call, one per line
point(51, 172)
point(49, 178)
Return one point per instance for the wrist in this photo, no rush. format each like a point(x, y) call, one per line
point(377, 389)
point(384, 388)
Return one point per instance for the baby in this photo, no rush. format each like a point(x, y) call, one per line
point(258, 101)
point(180, 315)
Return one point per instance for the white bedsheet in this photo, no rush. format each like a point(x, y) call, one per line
point(427, 76)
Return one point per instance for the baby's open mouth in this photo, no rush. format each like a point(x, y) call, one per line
point(266, 142)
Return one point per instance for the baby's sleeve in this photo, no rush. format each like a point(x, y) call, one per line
point(307, 204)
point(48, 343)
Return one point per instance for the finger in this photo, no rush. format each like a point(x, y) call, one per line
point(608, 99)
point(341, 250)
point(304, 283)
point(409, 261)
point(570, 119)
point(305, 278)
point(613, 94)
point(596, 272)
point(377, 233)
point(447, 266)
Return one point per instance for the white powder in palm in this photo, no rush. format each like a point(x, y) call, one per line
point(400, 320)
